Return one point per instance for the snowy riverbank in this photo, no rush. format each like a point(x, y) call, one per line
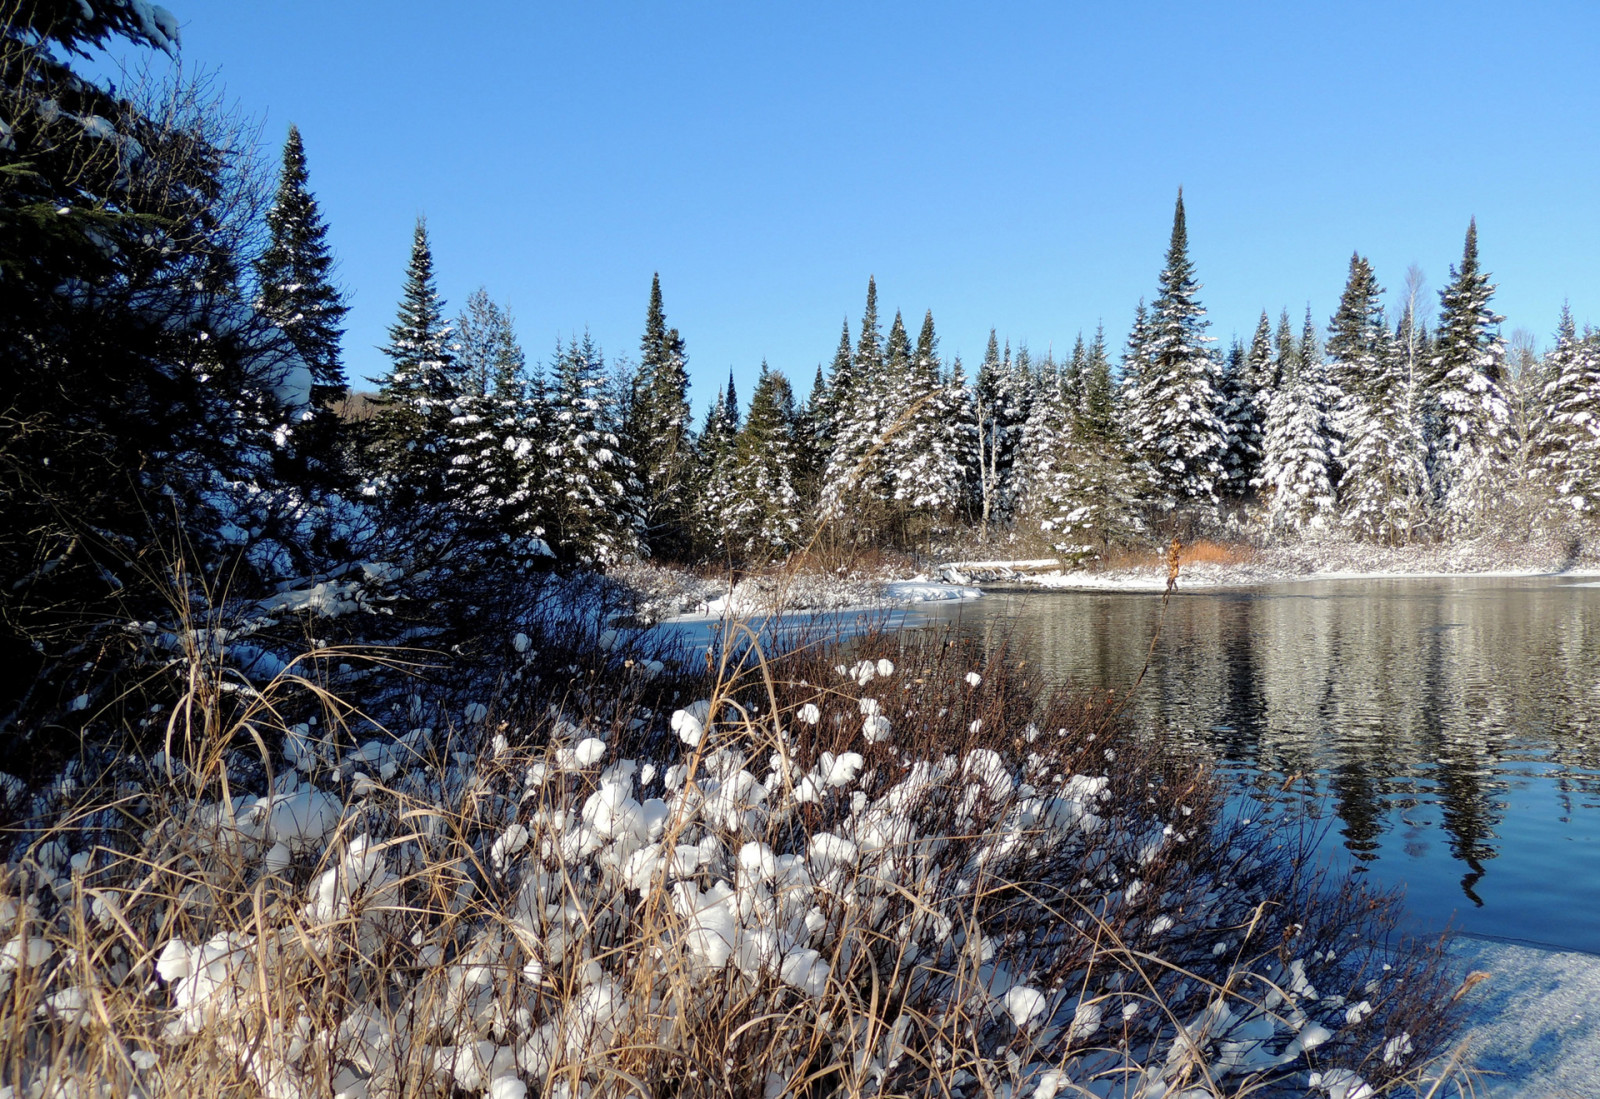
point(1534, 1023)
point(1337, 561)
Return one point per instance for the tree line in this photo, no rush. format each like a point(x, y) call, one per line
point(179, 416)
point(1372, 428)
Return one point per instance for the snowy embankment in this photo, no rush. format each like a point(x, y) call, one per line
point(1534, 1023)
point(901, 873)
point(1339, 561)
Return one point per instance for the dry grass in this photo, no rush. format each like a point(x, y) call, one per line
point(467, 916)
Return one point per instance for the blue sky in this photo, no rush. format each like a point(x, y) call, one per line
point(1006, 165)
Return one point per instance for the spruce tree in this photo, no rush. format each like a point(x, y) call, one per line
point(1247, 410)
point(1471, 438)
point(924, 459)
point(1086, 500)
point(592, 495)
point(656, 431)
point(1296, 481)
point(295, 275)
point(1045, 434)
point(1568, 448)
point(852, 483)
point(813, 440)
point(763, 510)
point(412, 440)
point(1001, 405)
point(715, 524)
point(1383, 486)
point(1182, 433)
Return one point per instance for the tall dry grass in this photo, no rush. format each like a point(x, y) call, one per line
point(440, 910)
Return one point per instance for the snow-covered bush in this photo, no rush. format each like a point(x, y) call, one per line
point(889, 870)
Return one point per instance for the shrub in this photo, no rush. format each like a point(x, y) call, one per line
point(886, 867)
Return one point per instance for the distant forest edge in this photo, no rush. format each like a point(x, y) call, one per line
point(1373, 428)
point(179, 424)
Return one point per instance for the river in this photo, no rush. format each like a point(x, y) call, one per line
point(1444, 732)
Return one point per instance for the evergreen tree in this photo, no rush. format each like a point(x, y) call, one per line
point(295, 275)
point(592, 496)
point(1045, 433)
point(1182, 434)
point(656, 431)
point(1001, 405)
point(853, 483)
point(1568, 449)
point(1297, 465)
point(1247, 409)
point(1471, 417)
point(1383, 486)
point(1086, 499)
point(836, 396)
point(924, 455)
point(498, 471)
point(1130, 383)
point(716, 465)
point(478, 335)
point(763, 510)
point(1286, 354)
point(1238, 407)
point(412, 438)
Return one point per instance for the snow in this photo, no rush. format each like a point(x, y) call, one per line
point(1534, 1025)
point(928, 591)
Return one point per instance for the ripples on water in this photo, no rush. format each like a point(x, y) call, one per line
point(1447, 730)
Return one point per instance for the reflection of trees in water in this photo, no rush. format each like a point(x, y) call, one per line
point(1392, 694)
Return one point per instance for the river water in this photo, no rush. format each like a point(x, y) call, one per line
point(1444, 732)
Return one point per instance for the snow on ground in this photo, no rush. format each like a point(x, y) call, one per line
point(1341, 561)
point(927, 591)
point(1535, 1022)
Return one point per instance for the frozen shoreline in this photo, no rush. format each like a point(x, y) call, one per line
point(1533, 1027)
point(1340, 561)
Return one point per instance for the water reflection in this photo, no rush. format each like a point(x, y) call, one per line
point(1414, 711)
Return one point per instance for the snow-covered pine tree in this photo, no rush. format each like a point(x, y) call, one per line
point(1568, 448)
point(295, 276)
point(1001, 405)
point(814, 438)
point(763, 512)
point(715, 466)
point(1182, 434)
point(925, 459)
point(852, 483)
point(1045, 433)
point(412, 443)
point(1131, 391)
point(295, 292)
point(1471, 438)
point(1383, 484)
point(656, 431)
point(1297, 465)
point(498, 465)
point(965, 438)
point(1247, 410)
point(593, 502)
point(1087, 502)
point(1238, 407)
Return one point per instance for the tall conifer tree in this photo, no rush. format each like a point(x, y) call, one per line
point(412, 437)
point(1182, 433)
point(295, 274)
point(656, 430)
point(1383, 486)
point(1471, 436)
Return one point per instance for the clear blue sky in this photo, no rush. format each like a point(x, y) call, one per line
point(1006, 165)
